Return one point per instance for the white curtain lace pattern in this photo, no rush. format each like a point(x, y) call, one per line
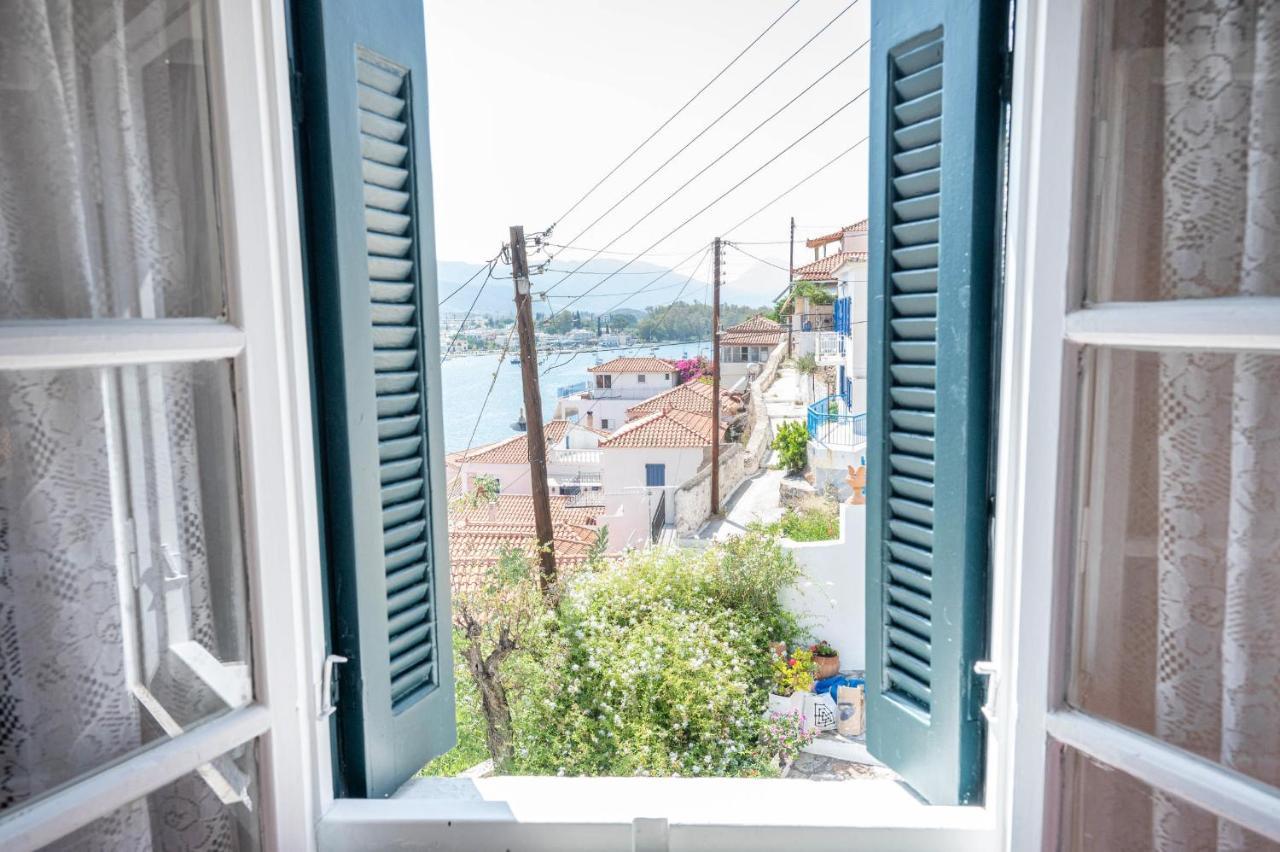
point(106, 210)
point(106, 180)
point(1218, 542)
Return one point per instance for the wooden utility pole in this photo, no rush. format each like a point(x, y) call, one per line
point(715, 386)
point(791, 265)
point(533, 410)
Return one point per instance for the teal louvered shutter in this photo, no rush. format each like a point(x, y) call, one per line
point(372, 279)
point(936, 72)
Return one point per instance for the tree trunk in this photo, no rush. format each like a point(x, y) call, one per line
point(493, 702)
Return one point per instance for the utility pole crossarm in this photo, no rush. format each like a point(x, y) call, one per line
point(534, 436)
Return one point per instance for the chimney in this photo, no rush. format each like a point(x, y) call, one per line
point(493, 511)
point(591, 419)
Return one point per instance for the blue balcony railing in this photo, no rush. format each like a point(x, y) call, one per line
point(829, 422)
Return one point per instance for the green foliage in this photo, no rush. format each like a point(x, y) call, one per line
point(822, 648)
point(486, 487)
point(791, 443)
point(812, 292)
point(814, 520)
point(806, 364)
point(687, 320)
point(659, 665)
point(470, 749)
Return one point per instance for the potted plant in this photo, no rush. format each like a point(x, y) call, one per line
point(792, 678)
point(784, 736)
point(825, 659)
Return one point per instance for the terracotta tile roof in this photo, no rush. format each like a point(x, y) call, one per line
point(634, 365)
point(691, 396)
point(669, 428)
point(474, 552)
point(757, 331)
point(824, 269)
point(478, 534)
point(825, 239)
point(515, 450)
point(516, 510)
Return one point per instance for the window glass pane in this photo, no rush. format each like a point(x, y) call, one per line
point(1177, 622)
point(107, 202)
point(1104, 808)
point(214, 809)
point(1185, 167)
point(123, 612)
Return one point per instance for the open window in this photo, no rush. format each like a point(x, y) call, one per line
point(935, 157)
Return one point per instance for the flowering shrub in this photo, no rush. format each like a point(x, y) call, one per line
point(793, 673)
point(658, 666)
point(785, 734)
point(822, 648)
point(689, 369)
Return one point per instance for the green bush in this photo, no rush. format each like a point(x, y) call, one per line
point(471, 748)
point(815, 520)
point(791, 443)
point(659, 666)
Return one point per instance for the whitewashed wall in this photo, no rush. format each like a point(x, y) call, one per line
point(831, 598)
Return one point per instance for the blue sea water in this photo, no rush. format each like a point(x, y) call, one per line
point(467, 379)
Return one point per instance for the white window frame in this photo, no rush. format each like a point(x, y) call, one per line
point(264, 338)
point(1039, 408)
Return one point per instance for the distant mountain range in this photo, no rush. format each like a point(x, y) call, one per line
point(753, 286)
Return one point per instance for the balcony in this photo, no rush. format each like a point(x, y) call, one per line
point(830, 423)
point(637, 392)
point(573, 457)
point(827, 348)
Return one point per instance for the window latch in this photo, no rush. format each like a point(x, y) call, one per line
point(328, 703)
point(987, 669)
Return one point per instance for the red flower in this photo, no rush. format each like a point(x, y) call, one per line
point(792, 662)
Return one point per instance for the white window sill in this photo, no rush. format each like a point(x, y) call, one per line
point(652, 814)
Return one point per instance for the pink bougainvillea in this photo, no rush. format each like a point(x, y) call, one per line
point(691, 368)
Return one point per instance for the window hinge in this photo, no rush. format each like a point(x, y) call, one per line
point(328, 701)
point(987, 669)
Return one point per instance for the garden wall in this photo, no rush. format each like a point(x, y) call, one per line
point(831, 598)
point(693, 500)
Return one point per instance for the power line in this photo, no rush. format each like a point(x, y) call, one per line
point(458, 289)
point(674, 115)
point(623, 253)
point(472, 307)
point(724, 153)
point(502, 357)
point(674, 301)
point(721, 116)
point(760, 259)
point(731, 189)
point(828, 164)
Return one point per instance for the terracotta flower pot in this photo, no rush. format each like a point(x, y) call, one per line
point(827, 667)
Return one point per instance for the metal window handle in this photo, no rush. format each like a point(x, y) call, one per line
point(328, 704)
point(988, 669)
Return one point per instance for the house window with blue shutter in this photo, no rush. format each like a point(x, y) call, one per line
point(936, 77)
point(367, 196)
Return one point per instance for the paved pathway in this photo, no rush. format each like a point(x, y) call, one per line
point(757, 498)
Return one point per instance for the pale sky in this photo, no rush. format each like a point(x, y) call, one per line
point(532, 103)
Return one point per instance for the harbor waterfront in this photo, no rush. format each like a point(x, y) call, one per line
point(466, 380)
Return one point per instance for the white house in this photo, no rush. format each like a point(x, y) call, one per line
point(744, 349)
point(642, 463)
point(573, 463)
point(615, 386)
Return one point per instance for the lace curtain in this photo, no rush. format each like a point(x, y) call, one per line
point(1218, 541)
point(105, 211)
